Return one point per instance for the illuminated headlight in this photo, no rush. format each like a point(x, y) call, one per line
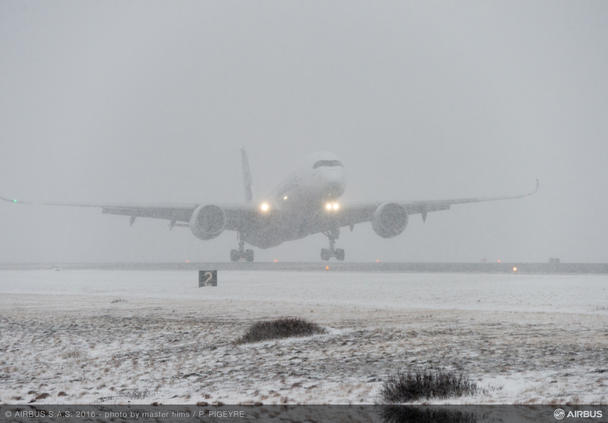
point(265, 207)
point(332, 206)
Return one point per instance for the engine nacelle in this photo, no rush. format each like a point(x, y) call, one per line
point(390, 219)
point(207, 222)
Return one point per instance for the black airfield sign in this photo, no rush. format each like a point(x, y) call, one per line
point(207, 278)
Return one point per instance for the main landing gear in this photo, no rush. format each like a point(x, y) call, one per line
point(241, 253)
point(327, 253)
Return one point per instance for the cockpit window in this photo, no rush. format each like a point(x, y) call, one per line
point(327, 163)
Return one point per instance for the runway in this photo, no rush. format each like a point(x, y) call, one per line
point(143, 336)
point(337, 266)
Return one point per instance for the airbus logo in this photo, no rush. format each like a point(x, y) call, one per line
point(560, 414)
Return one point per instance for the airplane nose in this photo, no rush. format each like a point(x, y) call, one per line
point(335, 189)
point(334, 183)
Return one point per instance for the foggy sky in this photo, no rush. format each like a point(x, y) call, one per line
point(148, 101)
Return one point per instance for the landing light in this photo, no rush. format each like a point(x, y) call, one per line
point(285, 198)
point(514, 269)
point(332, 206)
point(265, 207)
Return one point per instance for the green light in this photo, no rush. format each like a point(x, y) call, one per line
point(15, 201)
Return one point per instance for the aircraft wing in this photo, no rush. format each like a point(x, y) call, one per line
point(177, 214)
point(358, 213)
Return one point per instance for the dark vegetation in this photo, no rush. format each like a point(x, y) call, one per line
point(412, 386)
point(279, 328)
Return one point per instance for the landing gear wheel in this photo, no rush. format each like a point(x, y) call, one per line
point(241, 253)
point(339, 253)
point(234, 255)
point(325, 254)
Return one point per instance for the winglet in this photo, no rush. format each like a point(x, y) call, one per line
point(246, 175)
point(535, 189)
point(10, 200)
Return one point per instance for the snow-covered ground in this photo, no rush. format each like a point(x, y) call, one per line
point(102, 336)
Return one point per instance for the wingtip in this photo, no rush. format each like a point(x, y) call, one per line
point(8, 200)
point(14, 200)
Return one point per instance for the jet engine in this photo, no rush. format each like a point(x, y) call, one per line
point(207, 222)
point(389, 220)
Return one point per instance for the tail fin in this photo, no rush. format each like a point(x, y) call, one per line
point(246, 175)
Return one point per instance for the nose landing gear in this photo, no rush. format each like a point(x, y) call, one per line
point(327, 253)
point(241, 253)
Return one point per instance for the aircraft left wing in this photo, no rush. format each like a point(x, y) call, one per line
point(177, 214)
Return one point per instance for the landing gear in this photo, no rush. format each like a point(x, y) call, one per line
point(340, 254)
point(327, 253)
point(241, 253)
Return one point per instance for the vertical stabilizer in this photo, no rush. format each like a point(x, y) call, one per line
point(246, 176)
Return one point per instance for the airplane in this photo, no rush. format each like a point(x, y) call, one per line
point(307, 202)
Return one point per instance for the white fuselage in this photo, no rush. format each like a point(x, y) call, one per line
point(307, 196)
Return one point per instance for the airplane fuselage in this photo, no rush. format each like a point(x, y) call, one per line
point(300, 204)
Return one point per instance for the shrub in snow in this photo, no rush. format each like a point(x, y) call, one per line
point(279, 328)
point(406, 387)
